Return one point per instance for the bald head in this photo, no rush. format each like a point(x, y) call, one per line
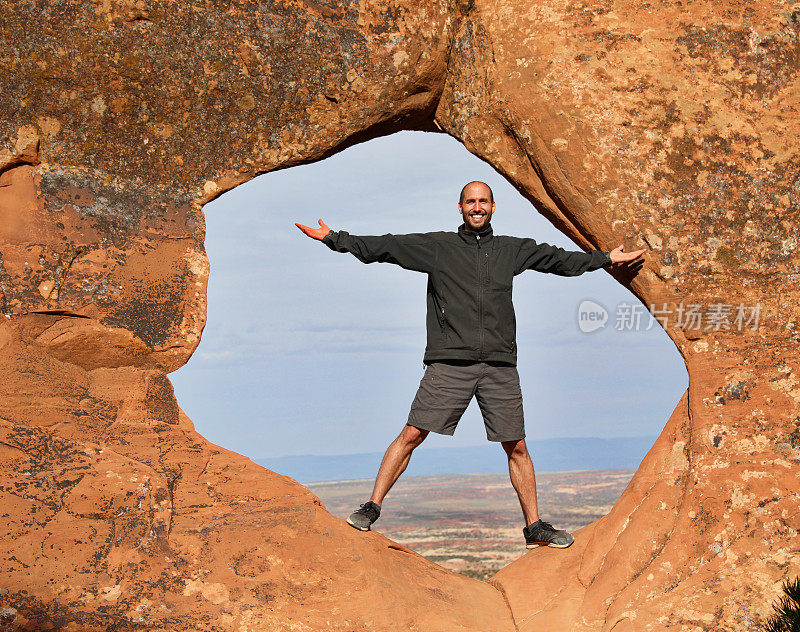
point(476, 205)
point(475, 182)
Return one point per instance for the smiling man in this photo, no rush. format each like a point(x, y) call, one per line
point(471, 339)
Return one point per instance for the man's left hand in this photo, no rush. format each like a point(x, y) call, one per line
point(618, 256)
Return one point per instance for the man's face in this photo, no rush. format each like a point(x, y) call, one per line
point(476, 209)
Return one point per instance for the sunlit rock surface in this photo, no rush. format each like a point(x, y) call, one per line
point(666, 126)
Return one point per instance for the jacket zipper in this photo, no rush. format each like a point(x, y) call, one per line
point(480, 297)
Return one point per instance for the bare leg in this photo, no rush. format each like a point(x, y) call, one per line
point(520, 470)
point(394, 462)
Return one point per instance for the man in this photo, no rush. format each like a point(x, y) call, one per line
point(471, 339)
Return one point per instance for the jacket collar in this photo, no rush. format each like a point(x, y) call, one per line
point(472, 237)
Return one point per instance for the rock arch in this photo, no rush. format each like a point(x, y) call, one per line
point(668, 126)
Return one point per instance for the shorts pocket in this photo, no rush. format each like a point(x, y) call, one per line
point(430, 372)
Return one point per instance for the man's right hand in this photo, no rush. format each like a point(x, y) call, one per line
point(316, 233)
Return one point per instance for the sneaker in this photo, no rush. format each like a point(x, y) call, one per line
point(367, 514)
point(542, 533)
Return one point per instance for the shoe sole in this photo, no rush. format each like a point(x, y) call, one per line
point(355, 526)
point(555, 546)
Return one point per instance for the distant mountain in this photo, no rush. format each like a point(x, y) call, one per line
point(549, 455)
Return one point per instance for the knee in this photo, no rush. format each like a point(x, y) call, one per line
point(515, 449)
point(413, 436)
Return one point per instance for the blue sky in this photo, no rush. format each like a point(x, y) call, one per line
point(309, 351)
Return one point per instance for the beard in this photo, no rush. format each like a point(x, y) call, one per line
point(482, 222)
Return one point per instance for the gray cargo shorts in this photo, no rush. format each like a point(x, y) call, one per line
point(447, 388)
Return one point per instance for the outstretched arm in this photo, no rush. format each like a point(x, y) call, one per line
point(544, 257)
point(413, 252)
point(554, 260)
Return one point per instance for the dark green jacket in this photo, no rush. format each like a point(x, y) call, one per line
point(470, 313)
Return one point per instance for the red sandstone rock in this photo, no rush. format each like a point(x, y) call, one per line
point(656, 126)
point(666, 126)
point(119, 513)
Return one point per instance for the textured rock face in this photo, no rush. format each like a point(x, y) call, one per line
point(656, 125)
point(123, 117)
point(672, 129)
point(664, 126)
point(119, 514)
